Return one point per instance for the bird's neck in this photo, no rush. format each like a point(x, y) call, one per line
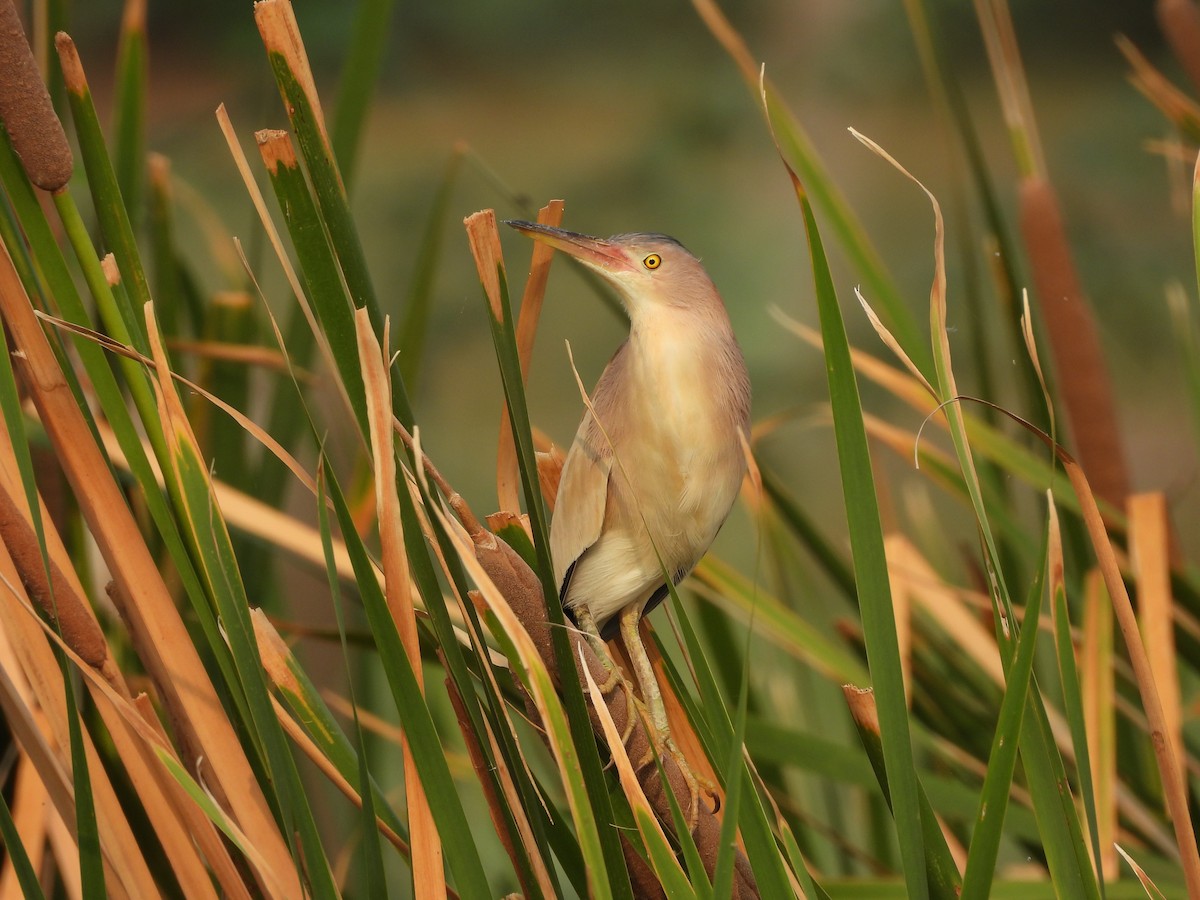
point(690, 355)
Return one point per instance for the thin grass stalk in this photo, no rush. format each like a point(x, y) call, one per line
point(944, 880)
point(410, 342)
point(1002, 759)
point(1068, 672)
point(526, 824)
point(796, 147)
point(1065, 848)
point(106, 194)
point(150, 613)
point(711, 721)
point(364, 58)
point(129, 113)
point(208, 536)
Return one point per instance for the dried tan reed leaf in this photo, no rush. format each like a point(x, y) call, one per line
point(157, 632)
point(1174, 788)
point(428, 871)
point(30, 811)
point(1179, 109)
point(280, 32)
point(1149, 551)
point(1147, 882)
point(43, 737)
point(508, 474)
point(489, 259)
point(943, 604)
point(643, 813)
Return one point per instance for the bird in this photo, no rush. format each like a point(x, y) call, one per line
point(659, 458)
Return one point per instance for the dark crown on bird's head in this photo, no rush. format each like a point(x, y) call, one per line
point(648, 237)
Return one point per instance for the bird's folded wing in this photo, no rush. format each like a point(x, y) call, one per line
point(582, 498)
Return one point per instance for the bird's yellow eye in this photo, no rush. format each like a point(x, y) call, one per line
point(653, 261)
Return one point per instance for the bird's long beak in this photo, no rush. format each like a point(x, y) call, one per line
point(595, 252)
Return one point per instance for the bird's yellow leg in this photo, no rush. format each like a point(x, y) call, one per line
point(644, 671)
point(587, 624)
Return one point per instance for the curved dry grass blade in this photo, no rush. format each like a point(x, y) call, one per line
point(1147, 883)
point(427, 866)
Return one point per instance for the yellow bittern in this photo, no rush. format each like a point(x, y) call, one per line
point(658, 459)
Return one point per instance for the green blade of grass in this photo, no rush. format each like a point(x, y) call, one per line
point(418, 302)
point(1002, 761)
point(462, 855)
point(106, 193)
point(711, 721)
point(722, 881)
point(376, 880)
point(18, 857)
point(87, 832)
point(169, 289)
point(870, 565)
point(318, 263)
point(129, 127)
point(1062, 837)
point(285, 52)
point(364, 57)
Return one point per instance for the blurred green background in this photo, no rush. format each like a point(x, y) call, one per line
point(634, 115)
